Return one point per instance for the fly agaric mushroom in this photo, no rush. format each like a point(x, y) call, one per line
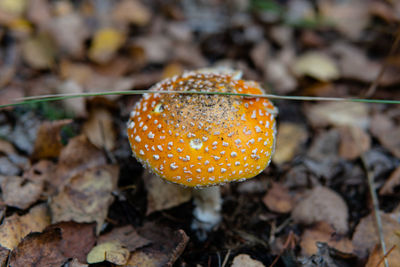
point(202, 140)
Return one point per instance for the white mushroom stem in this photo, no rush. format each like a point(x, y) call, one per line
point(207, 211)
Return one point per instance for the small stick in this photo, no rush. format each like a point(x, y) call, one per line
point(386, 255)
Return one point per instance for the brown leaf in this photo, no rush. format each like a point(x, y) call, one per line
point(77, 239)
point(278, 199)
point(354, 142)
point(70, 32)
point(19, 192)
point(322, 204)
point(245, 260)
point(166, 246)
point(131, 11)
point(387, 133)
point(365, 237)
point(86, 197)
point(48, 141)
point(15, 228)
point(7, 148)
point(126, 236)
point(323, 232)
point(39, 249)
point(391, 183)
point(289, 138)
point(162, 195)
point(376, 256)
point(76, 157)
point(4, 254)
point(100, 129)
point(74, 105)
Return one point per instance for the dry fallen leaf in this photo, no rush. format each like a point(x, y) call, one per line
point(353, 142)
point(323, 232)
point(166, 247)
point(77, 239)
point(242, 260)
point(105, 44)
point(86, 197)
point(391, 183)
point(278, 199)
point(316, 65)
point(39, 52)
point(77, 156)
point(350, 18)
point(20, 192)
point(338, 114)
point(322, 204)
point(365, 237)
point(48, 141)
point(39, 249)
point(376, 256)
point(387, 133)
point(162, 195)
point(131, 11)
point(100, 130)
point(15, 228)
point(289, 138)
point(112, 252)
point(126, 236)
point(69, 32)
point(74, 105)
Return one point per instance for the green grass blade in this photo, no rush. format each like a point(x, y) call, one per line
point(56, 97)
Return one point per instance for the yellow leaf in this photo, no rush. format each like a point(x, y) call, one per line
point(105, 43)
point(110, 251)
point(316, 65)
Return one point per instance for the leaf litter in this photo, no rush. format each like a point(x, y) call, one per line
point(72, 189)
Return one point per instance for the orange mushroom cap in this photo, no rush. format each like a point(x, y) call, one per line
point(201, 140)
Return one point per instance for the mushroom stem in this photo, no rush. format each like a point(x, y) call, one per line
point(207, 211)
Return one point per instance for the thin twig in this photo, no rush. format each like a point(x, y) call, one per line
point(226, 258)
point(375, 83)
point(386, 255)
point(54, 97)
point(375, 203)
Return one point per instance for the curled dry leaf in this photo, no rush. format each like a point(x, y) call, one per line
point(391, 183)
point(278, 199)
point(166, 247)
point(387, 133)
point(245, 260)
point(100, 130)
point(162, 195)
point(126, 236)
point(323, 232)
point(289, 138)
point(353, 142)
point(86, 197)
point(376, 256)
point(112, 252)
point(15, 228)
point(20, 192)
point(322, 204)
point(48, 141)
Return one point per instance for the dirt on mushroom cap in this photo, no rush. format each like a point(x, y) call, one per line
point(202, 140)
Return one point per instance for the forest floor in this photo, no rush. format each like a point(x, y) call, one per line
point(73, 195)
